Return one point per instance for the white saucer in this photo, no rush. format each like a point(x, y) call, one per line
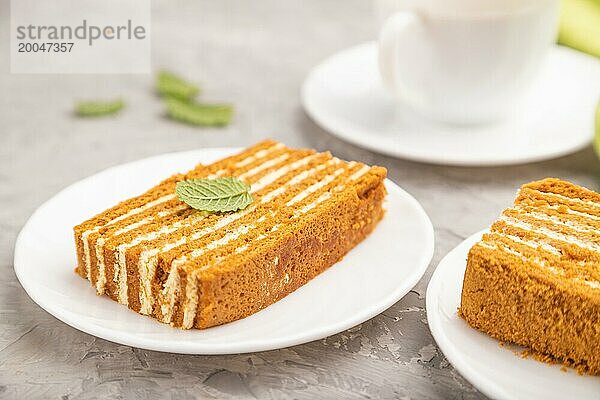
point(345, 96)
point(371, 278)
point(498, 372)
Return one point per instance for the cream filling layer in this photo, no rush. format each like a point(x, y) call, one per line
point(101, 278)
point(278, 173)
point(575, 212)
point(314, 187)
point(258, 155)
point(263, 166)
point(540, 263)
point(360, 172)
point(101, 281)
point(294, 181)
point(557, 221)
point(572, 199)
point(85, 235)
point(86, 251)
point(536, 260)
point(327, 195)
point(570, 239)
point(169, 294)
point(191, 300)
point(533, 244)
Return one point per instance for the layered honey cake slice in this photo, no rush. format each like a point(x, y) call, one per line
point(188, 255)
point(534, 280)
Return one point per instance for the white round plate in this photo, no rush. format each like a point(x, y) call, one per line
point(497, 371)
point(371, 278)
point(345, 96)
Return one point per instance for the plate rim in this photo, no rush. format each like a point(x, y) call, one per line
point(343, 131)
point(488, 388)
point(247, 346)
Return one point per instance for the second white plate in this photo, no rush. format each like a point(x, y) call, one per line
point(345, 96)
point(371, 278)
point(498, 372)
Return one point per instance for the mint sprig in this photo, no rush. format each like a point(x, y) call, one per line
point(215, 195)
point(169, 84)
point(198, 114)
point(98, 108)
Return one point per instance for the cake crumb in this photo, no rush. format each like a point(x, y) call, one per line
point(582, 369)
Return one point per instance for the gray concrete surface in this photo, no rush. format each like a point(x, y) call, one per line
point(255, 54)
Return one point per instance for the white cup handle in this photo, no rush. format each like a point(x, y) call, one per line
point(394, 28)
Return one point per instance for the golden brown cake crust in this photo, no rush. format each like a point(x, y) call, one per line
point(544, 297)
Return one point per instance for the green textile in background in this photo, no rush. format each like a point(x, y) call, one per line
point(580, 25)
point(580, 29)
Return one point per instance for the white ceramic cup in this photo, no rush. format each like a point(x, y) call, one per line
point(465, 61)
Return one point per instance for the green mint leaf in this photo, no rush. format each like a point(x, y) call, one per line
point(169, 84)
point(199, 114)
point(96, 108)
point(216, 195)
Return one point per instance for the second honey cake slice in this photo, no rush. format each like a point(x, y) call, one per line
point(534, 279)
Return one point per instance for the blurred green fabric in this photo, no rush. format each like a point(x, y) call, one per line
point(580, 29)
point(580, 25)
